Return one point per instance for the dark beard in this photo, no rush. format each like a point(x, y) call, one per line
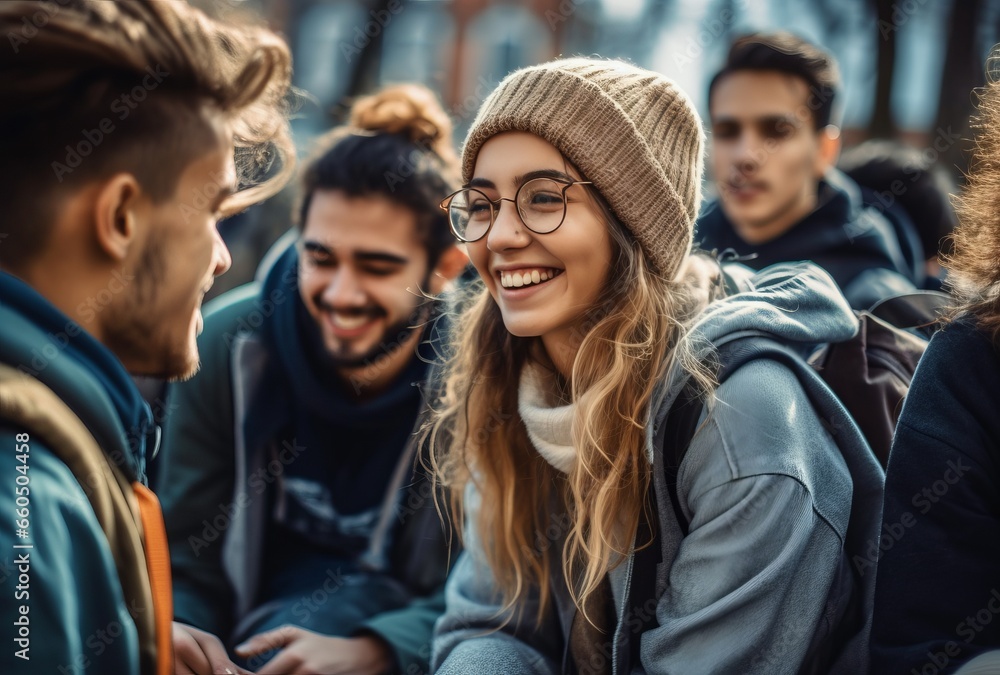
point(134, 330)
point(393, 338)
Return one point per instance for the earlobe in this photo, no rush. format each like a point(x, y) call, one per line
point(115, 215)
point(829, 149)
point(450, 265)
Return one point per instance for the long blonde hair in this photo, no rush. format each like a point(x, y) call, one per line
point(628, 342)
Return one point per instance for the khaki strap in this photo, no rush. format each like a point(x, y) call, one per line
point(30, 405)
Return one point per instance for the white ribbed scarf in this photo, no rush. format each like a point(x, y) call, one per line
point(549, 426)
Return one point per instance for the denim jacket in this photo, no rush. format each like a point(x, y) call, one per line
point(768, 495)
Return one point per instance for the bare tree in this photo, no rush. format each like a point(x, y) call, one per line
point(882, 124)
point(964, 72)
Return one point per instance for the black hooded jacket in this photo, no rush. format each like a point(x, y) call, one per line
point(855, 244)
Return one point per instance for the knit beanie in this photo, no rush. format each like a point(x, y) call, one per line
point(631, 132)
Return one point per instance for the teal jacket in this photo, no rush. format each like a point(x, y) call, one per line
point(65, 586)
point(214, 484)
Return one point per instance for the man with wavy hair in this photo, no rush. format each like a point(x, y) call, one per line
point(128, 130)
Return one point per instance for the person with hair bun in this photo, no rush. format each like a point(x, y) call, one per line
point(296, 515)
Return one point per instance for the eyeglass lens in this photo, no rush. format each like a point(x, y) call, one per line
point(541, 203)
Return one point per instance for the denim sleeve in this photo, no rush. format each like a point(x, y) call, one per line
point(768, 496)
point(472, 636)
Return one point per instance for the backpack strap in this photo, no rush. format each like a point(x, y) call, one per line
point(158, 566)
point(128, 525)
point(851, 650)
point(917, 310)
point(681, 425)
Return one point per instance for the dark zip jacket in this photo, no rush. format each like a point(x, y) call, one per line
point(855, 244)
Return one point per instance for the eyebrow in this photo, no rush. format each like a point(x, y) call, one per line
point(361, 256)
point(768, 119)
point(520, 180)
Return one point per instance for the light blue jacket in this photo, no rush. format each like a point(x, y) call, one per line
point(768, 494)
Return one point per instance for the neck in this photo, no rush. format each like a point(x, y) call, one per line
point(70, 292)
point(561, 348)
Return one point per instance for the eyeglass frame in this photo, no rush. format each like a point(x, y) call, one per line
point(445, 205)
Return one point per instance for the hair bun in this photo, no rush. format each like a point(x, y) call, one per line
point(408, 109)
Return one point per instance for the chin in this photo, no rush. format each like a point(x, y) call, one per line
point(524, 329)
point(186, 371)
point(181, 362)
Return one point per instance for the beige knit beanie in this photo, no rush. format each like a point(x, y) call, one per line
point(630, 131)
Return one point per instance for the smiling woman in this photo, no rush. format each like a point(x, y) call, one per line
point(581, 186)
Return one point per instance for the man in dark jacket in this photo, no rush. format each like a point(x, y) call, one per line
point(105, 257)
point(773, 153)
point(297, 509)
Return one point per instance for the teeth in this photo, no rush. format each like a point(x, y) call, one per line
point(519, 279)
point(349, 322)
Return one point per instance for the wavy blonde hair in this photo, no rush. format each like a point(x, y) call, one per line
point(974, 274)
point(627, 343)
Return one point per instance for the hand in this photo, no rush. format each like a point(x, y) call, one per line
point(199, 653)
point(304, 652)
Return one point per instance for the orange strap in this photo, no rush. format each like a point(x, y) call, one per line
point(158, 564)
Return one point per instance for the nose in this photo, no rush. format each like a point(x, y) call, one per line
point(344, 289)
point(748, 153)
point(508, 231)
point(223, 259)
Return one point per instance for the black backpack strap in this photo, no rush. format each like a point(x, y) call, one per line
point(681, 424)
point(920, 311)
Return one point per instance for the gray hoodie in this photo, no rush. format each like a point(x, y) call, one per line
point(763, 574)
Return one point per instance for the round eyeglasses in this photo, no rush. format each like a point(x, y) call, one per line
point(541, 203)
